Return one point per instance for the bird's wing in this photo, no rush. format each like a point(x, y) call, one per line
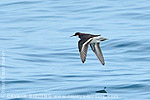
point(83, 47)
point(97, 50)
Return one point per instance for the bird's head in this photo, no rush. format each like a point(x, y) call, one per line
point(76, 34)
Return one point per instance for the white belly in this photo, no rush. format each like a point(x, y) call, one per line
point(96, 40)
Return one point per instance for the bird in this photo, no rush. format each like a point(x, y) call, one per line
point(87, 39)
point(102, 91)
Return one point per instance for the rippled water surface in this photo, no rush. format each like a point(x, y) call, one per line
point(39, 57)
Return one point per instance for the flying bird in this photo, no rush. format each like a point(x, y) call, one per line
point(92, 40)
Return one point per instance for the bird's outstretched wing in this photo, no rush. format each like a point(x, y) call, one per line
point(83, 47)
point(97, 50)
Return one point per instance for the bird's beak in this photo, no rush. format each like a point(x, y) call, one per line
point(72, 35)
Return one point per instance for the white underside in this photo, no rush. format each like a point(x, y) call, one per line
point(96, 40)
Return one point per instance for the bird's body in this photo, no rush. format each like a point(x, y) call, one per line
point(102, 91)
point(93, 41)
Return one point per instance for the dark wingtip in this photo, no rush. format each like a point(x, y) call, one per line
point(83, 61)
point(103, 64)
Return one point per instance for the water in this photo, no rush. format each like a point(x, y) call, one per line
point(41, 58)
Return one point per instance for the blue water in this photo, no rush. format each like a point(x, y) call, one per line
point(41, 58)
